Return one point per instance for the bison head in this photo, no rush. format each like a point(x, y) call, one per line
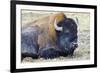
point(66, 31)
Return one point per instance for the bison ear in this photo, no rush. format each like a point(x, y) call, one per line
point(76, 20)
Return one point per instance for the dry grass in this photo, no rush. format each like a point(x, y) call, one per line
point(83, 50)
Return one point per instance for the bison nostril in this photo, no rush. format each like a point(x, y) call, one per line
point(75, 45)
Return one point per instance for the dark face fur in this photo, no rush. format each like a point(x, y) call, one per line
point(67, 38)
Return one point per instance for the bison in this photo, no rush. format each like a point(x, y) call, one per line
point(52, 36)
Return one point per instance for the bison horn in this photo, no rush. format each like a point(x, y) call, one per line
point(76, 20)
point(57, 27)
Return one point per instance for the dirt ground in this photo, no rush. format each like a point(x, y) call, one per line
point(83, 50)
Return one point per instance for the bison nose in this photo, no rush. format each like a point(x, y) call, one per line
point(74, 45)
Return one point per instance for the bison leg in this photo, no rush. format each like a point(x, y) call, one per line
point(49, 53)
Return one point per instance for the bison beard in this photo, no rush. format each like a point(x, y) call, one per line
point(38, 43)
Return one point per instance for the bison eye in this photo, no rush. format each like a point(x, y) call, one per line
point(70, 25)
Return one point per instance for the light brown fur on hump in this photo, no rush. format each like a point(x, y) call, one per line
point(47, 30)
point(51, 30)
point(41, 40)
point(46, 23)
